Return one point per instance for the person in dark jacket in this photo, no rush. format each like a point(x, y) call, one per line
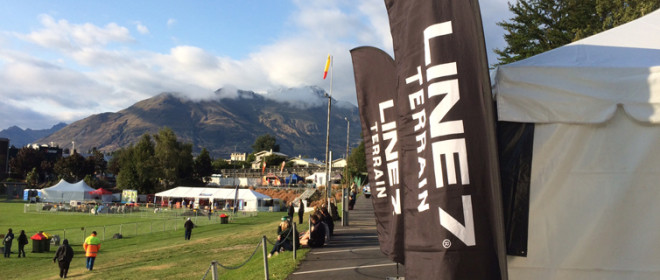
point(22, 241)
point(9, 238)
point(188, 225)
point(291, 211)
point(301, 212)
point(315, 237)
point(63, 256)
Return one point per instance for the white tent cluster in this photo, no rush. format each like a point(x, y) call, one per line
point(593, 194)
point(250, 200)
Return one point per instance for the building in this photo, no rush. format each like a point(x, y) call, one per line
point(261, 156)
point(305, 162)
point(339, 163)
point(238, 157)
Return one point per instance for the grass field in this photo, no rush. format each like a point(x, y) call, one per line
point(159, 255)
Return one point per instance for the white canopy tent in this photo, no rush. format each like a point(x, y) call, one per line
point(64, 191)
point(253, 201)
point(596, 157)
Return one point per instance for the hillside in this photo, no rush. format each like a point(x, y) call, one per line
point(221, 125)
point(20, 137)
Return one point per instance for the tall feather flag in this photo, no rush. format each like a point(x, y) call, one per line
point(432, 153)
point(327, 66)
point(263, 167)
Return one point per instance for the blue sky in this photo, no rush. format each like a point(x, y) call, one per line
point(66, 60)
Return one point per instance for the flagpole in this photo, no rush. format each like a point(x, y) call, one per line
point(328, 186)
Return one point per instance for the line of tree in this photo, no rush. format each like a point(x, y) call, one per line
point(36, 167)
point(159, 162)
point(541, 25)
point(156, 162)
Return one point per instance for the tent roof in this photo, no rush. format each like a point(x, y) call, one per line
point(64, 186)
point(585, 81)
point(215, 193)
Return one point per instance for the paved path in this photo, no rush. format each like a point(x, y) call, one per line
point(353, 252)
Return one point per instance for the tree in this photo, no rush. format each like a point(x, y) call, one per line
point(274, 160)
point(542, 25)
point(73, 168)
point(97, 160)
point(138, 167)
point(203, 166)
point(173, 157)
point(32, 177)
point(25, 161)
point(265, 142)
point(357, 161)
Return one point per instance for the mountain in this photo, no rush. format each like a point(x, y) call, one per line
point(19, 137)
point(221, 125)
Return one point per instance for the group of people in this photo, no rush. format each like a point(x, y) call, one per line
point(320, 231)
point(8, 240)
point(322, 226)
point(64, 253)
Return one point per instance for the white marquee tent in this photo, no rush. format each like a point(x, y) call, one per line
point(64, 191)
point(596, 157)
point(253, 201)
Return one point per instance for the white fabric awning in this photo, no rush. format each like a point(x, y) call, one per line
point(585, 81)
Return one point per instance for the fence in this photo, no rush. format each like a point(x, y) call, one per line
point(159, 221)
point(213, 268)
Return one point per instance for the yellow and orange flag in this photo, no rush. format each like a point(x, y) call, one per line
point(327, 65)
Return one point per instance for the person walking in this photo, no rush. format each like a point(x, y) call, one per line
point(63, 256)
point(91, 246)
point(290, 211)
point(188, 225)
point(22, 241)
point(9, 238)
point(301, 212)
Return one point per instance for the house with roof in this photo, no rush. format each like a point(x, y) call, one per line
point(305, 162)
point(261, 156)
point(339, 163)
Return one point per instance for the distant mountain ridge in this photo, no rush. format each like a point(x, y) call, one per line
point(19, 137)
point(222, 125)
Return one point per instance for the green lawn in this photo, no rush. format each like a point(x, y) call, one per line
point(158, 255)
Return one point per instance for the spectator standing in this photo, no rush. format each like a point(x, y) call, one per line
point(301, 212)
point(92, 245)
point(22, 241)
point(9, 238)
point(352, 197)
point(290, 211)
point(63, 256)
point(188, 225)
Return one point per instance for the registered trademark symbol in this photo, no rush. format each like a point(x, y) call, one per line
point(446, 243)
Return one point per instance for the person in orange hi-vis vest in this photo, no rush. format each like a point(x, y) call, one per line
point(92, 246)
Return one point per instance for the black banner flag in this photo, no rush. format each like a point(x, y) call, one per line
point(452, 202)
point(375, 81)
point(448, 188)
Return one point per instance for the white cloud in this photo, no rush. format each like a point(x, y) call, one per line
point(98, 69)
point(141, 28)
point(68, 37)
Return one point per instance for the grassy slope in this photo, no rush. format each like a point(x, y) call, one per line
point(163, 255)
